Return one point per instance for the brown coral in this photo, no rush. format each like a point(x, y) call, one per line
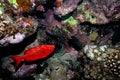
point(24, 5)
point(112, 62)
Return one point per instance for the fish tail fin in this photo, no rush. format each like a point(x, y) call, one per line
point(17, 59)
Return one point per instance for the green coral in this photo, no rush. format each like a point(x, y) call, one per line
point(2, 8)
point(13, 2)
point(89, 17)
point(93, 36)
point(86, 13)
point(80, 8)
point(2, 4)
point(71, 21)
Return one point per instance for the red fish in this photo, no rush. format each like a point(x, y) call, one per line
point(35, 53)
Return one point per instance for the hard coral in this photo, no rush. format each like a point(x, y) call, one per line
point(99, 12)
point(25, 5)
point(14, 27)
point(67, 7)
point(112, 62)
point(24, 70)
point(109, 7)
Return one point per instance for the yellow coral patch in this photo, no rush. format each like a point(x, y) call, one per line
point(13, 2)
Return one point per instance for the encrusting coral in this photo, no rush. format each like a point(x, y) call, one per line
point(14, 29)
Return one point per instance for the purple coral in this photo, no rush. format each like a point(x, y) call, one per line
point(84, 39)
point(110, 8)
point(17, 38)
point(70, 74)
point(49, 19)
point(25, 70)
point(67, 7)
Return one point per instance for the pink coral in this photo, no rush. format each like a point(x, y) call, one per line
point(84, 39)
point(67, 7)
point(70, 74)
point(40, 8)
point(25, 70)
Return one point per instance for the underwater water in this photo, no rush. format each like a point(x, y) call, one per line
point(59, 39)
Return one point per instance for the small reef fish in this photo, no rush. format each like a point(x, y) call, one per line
point(35, 53)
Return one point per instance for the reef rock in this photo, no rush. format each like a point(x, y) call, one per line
point(14, 28)
point(99, 11)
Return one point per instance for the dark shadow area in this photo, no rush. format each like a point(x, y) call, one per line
point(74, 42)
point(112, 23)
point(116, 36)
point(13, 49)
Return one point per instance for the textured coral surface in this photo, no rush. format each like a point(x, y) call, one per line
point(85, 34)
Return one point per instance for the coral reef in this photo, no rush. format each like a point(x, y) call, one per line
point(84, 33)
point(66, 7)
point(99, 12)
point(112, 62)
point(24, 70)
point(14, 29)
point(95, 52)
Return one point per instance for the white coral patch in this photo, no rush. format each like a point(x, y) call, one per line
point(16, 38)
point(3, 41)
point(103, 48)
